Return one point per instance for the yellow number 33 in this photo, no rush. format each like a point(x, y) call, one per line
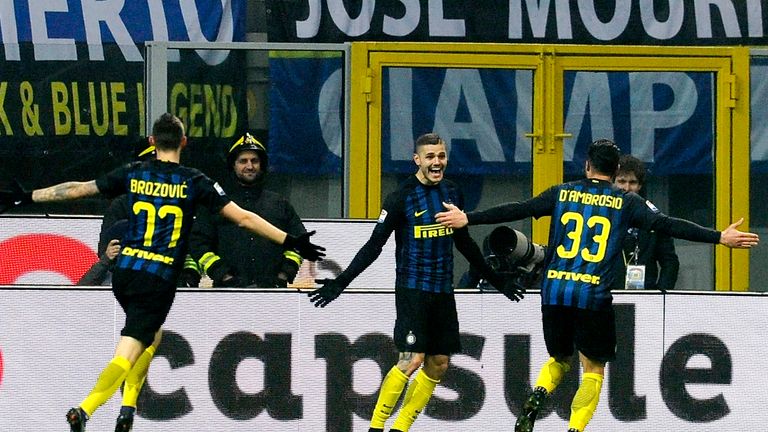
point(600, 224)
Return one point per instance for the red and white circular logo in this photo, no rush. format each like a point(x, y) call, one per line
point(43, 252)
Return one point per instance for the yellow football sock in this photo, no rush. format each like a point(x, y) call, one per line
point(109, 381)
point(551, 374)
point(415, 400)
point(390, 391)
point(585, 400)
point(135, 378)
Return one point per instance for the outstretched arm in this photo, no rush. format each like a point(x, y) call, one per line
point(65, 191)
point(685, 229)
point(537, 206)
point(367, 254)
point(16, 196)
point(733, 238)
point(258, 225)
point(253, 222)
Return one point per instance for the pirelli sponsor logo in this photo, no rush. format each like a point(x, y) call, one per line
point(150, 256)
point(574, 276)
point(431, 231)
point(157, 189)
point(587, 198)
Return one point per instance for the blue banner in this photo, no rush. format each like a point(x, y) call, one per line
point(664, 118)
point(306, 113)
point(135, 21)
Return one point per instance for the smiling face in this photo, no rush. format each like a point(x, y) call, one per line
point(432, 159)
point(248, 167)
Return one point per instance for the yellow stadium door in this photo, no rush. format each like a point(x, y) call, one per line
point(518, 119)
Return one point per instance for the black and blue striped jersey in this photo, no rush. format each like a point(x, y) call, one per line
point(162, 198)
point(423, 248)
point(589, 221)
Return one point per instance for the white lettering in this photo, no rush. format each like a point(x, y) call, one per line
point(352, 27)
point(538, 15)
point(467, 83)
point(107, 11)
point(704, 19)
point(524, 93)
point(49, 48)
point(9, 31)
point(759, 129)
point(662, 30)
point(158, 21)
point(645, 120)
point(405, 25)
point(538, 12)
point(401, 113)
point(611, 29)
point(159, 25)
point(439, 25)
point(329, 113)
point(308, 28)
point(590, 89)
point(225, 32)
point(755, 18)
point(563, 14)
point(103, 16)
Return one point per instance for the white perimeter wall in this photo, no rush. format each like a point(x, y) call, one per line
point(694, 356)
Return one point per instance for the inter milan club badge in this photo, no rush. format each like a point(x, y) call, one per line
point(411, 338)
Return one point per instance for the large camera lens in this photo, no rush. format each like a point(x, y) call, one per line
point(514, 247)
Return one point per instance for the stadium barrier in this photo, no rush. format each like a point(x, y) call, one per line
point(244, 360)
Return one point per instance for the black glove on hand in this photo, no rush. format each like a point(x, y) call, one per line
point(280, 283)
point(13, 197)
point(505, 284)
point(189, 278)
point(224, 276)
point(304, 247)
point(327, 293)
point(229, 280)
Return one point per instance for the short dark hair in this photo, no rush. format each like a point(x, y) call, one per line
point(603, 156)
point(168, 131)
point(631, 164)
point(427, 139)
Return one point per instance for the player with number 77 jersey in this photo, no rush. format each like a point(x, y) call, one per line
point(162, 198)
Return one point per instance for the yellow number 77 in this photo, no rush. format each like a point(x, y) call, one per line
point(601, 238)
point(163, 212)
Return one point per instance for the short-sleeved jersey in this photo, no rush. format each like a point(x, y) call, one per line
point(589, 221)
point(162, 199)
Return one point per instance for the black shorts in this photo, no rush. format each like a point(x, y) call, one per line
point(426, 322)
point(146, 300)
point(593, 333)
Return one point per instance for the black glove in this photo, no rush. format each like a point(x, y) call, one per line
point(327, 293)
point(279, 283)
point(229, 280)
point(224, 276)
point(189, 278)
point(304, 247)
point(506, 284)
point(14, 196)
